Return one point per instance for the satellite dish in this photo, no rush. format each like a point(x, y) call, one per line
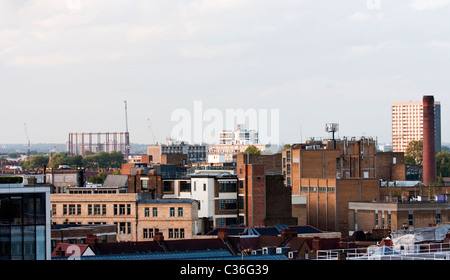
point(331, 127)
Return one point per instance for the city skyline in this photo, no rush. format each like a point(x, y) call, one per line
point(68, 66)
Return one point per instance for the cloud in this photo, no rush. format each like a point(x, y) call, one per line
point(421, 5)
point(359, 17)
point(365, 49)
point(46, 60)
point(440, 44)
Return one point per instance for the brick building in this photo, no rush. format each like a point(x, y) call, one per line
point(364, 215)
point(263, 198)
point(330, 174)
point(134, 215)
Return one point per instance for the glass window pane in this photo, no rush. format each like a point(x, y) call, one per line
point(16, 243)
point(40, 243)
point(28, 209)
point(15, 210)
point(4, 210)
point(5, 243)
point(29, 242)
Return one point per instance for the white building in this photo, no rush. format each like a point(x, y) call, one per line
point(214, 190)
point(240, 136)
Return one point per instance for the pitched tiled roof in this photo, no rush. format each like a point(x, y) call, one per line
point(116, 181)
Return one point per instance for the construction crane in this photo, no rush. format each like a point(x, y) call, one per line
point(151, 130)
point(28, 140)
point(127, 140)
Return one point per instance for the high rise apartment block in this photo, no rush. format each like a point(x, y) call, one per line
point(407, 124)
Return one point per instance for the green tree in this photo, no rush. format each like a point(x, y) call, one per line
point(97, 179)
point(253, 150)
point(59, 159)
point(414, 151)
point(443, 164)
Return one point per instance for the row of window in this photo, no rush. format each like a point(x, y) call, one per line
point(154, 212)
point(119, 209)
point(320, 189)
point(410, 219)
point(93, 209)
point(149, 233)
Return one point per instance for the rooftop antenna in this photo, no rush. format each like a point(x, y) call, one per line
point(332, 128)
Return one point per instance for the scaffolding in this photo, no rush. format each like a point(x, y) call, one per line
point(94, 142)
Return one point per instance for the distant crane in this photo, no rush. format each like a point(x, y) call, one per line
point(126, 115)
point(28, 140)
point(151, 130)
point(127, 140)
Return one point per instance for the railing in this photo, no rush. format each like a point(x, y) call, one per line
point(431, 251)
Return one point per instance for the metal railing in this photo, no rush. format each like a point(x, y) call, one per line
point(431, 251)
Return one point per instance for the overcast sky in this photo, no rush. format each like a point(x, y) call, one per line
point(68, 66)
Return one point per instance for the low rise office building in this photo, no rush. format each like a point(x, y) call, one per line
point(136, 216)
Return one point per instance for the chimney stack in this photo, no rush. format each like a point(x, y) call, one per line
point(429, 149)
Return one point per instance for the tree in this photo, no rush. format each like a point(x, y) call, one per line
point(59, 159)
point(443, 164)
point(97, 179)
point(253, 150)
point(414, 152)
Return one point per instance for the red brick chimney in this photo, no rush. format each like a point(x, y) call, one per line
point(91, 239)
point(429, 143)
point(222, 233)
point(316, 243)
point(158, 237)
point(288, 233)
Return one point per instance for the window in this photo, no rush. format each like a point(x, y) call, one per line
point(78, 209)
point(227, 204)
point(145, 233)
point(71, 209)
point(172, 211)
point(64, 209)
point(89, 209)
point(411, 219)
point(53, 209)
point(438, 218)
point(155, 212)
point(204, 187)
point(180, 211)
point(227, 186)
point(144, 184)
point(103, 209)
point(121, 209)
point(185, 186)
point(147, 212)
point(96, 209)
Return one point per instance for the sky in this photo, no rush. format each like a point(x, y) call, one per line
point(69, 65)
